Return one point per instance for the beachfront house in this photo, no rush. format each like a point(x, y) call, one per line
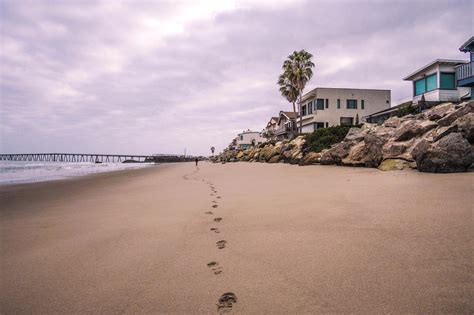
point(286, 125)
point(325, 107)
point(269, 131)
point(249, 138)
point(464, 72)
point(436, 82)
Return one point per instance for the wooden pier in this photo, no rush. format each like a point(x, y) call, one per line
point(94, 158)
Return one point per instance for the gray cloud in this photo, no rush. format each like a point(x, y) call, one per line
point(130, 77)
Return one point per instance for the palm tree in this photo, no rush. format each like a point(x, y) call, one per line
point(288, 91)
point(297, 71)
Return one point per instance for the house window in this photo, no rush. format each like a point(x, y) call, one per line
point(362, 104)
point(318, 125)
point(241, 137)
point(351, 104)
point(426, 84)
point(320, 104)
point(347, 121)
point(327, 103)
point(431, 82)
point(338, 104)
point(327, 124)
point(303, 110)
point(310, 108)
point(447, 81)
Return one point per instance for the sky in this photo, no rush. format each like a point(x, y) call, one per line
point(147, 77)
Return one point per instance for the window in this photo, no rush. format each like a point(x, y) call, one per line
point(310, 108)
point(318, 125)
point(327, 124)
point(426, 84)
point(303, 110)
point(338, 103)
point(241, 137)
point(327, 103)
point(347, 121)
point(447, 80)
point(431, 83)
point(362, 104)
point(351, 104)
point(320, 104)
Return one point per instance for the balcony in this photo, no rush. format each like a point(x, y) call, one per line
point(464, 74)
point(283, 130)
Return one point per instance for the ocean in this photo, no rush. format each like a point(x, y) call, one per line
point(12, 172)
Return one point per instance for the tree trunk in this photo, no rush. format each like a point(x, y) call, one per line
point(301, 118)
point(294, 111)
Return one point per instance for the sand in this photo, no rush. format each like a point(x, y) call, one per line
point(290, 239)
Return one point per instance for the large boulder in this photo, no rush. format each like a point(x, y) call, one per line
point(355, 134)
point(392, 122)
point(240, 154)
point(465, 125)
point(464, 109)
point(450, 154)
point(274, 159)
point(311, 158)
point(413, 128)
point(397, 150)
point(336, 153)
point(438, 112)
point(366, 153)
point(268, 152)
point(393, 164)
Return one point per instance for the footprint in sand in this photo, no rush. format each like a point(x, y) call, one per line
point(215, 230)
point(218, 197)
point(221, 244)
point(225, 302)
point(218, 219)
point(209, 212)
point(214, 201)
point(215, 206)
point(214, 265)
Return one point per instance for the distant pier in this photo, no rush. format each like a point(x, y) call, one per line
point(94, 158)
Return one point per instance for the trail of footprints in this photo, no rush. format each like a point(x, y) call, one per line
point(226, 300)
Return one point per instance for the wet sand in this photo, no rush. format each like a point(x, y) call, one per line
point(275, 238)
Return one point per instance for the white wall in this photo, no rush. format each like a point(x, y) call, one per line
point(374, 101)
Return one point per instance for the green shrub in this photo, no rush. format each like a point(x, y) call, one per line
point(325, 137)
point(407, 110)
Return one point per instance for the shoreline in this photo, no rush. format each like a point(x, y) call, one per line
point(174, 239)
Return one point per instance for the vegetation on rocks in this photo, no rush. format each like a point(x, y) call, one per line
point(324, 138)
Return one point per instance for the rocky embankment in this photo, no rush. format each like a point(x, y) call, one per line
point(439, 140)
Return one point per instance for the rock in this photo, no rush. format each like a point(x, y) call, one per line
point(413, 128)
point(268, 152)
point(392, 122)
point(438, 112)
point(355, 134)
point(311, 158)
point(451, 154)
point(395, 150)
point(274, 159)
point(336, 153)
point(366, 153)
point(465, 125)
point(465, 109)
point(444, 131)
point(240, 154)
point(394, 164)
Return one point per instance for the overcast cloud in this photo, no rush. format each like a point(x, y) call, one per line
point(158, 77)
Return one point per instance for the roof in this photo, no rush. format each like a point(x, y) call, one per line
point(313, 92)
point(468, 45)
point(290, 115)
point(388, 110)
point(446, 62)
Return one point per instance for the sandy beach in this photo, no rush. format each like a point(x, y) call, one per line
point(316, 239)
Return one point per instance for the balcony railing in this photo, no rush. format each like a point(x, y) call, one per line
point(280, 131)
point(464, 71)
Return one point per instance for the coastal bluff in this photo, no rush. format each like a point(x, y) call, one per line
point(438, 140)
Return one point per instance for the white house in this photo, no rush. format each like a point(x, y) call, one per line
point(325, 107)
point(436, 82)
point(249, 138)
point(270, 128)
point(286, 125)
